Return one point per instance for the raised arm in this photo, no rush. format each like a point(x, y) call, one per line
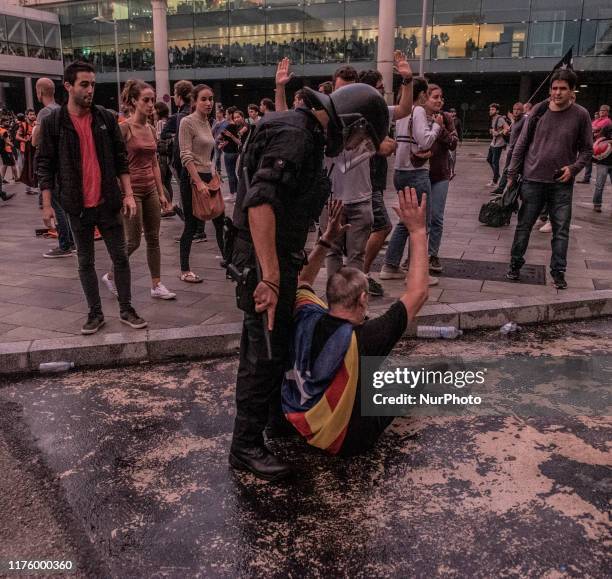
point(283, 76)
point(402, 67)
point(334, 229)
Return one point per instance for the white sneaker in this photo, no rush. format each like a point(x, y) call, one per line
point(433, 281)
point(546, 228)
point(110, 284)
point(390, 272)
point(162, 292)
point(491, 184)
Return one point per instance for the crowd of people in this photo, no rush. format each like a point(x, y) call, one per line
point(319, 165)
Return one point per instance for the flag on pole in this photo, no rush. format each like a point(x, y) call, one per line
point(567, 61)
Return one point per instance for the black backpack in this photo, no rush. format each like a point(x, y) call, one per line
point(494, 213)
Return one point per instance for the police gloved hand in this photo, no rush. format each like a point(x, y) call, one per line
point(266, 298)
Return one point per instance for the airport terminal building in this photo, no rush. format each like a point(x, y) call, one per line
point(478, 50)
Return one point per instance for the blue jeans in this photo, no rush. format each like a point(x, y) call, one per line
point(64, 234)
point(437, 204)
point(534, 196)
point(493, 159)
point(419, 179)
point(603, 171)
point(230, 166)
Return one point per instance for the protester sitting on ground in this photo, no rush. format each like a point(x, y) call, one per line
point(93, 188)
point(602, 157)
point(327, 344)
point(196, 147)
point(45, 92)
point(147, 184)
point(439, 173)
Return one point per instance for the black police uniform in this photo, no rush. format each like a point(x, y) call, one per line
point(284, 164)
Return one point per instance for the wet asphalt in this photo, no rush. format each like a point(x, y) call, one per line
point(124, 472)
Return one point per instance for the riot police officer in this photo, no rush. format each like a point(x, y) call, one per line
point(282, 188)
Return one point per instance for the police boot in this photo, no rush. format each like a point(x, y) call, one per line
point(259, 461)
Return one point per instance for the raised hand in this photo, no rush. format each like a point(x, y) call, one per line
point(412, 214)
point(401, 64)
point(283, 76)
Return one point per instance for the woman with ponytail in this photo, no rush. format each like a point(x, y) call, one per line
point(139, 98)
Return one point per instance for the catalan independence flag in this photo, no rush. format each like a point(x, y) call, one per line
point(318, 397)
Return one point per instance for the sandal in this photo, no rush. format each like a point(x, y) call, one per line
point(190, 277)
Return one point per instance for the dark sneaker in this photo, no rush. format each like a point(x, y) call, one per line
point(558, 279)
point(7, 196)
point(434, 264)
point(94, 322)
point(199, 237)
point(178, 211)
point(374, 288)
point(513, 274)
point(57, 252)
point(132, 319)
point(596, 208)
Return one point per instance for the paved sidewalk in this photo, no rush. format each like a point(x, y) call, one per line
point(42, 298)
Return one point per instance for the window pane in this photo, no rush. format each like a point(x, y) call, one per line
point(503, 40)
point(499, 11)
point(284, 20)
point(209, 5)
point(140, 9)
point(107, 32)
point(285, 45)
point(409, 12)
point(85, 11)
point(452, 11)
point(452, 41)
point(180, 6)
point(34, 32)
point(16, 30)
point(247, 22)
point(597, 9)
point(362, 15)
point(212, 24)
point(86, 34)
point(180, 27)
point(181, 54)
point(408, 40)
point(51, 33)
point(248, 50)
point(361, 45)
point(324, 17)
point(242, 4)
point(2, 27)
point(552, 10)
point(36, 51)
point(213, 52)
point(552, 38)
point(596, 38)
point(324, 47)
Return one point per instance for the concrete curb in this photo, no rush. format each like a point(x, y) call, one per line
point(224, 339)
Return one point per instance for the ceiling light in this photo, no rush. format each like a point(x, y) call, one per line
point(458, 80)
point(239, 84)
point(583, 86)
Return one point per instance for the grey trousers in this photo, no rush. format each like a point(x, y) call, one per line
point(354, 240)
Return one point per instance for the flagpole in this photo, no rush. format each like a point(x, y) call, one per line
point(565, 62)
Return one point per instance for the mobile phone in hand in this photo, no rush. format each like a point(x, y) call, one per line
point(558, 174)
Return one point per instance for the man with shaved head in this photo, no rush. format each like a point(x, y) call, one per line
point(45, 93)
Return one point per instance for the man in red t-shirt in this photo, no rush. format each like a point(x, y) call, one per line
point(82, 154)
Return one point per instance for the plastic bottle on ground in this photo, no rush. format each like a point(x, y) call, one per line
point(55, 366)
point(509, 328)
point(446, 332)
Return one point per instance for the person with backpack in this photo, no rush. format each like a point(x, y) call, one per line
point(497, 130)
point(145, 176)
point(602, 157)
point(82, 154)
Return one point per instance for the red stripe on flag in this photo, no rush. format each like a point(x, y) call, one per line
point(298, 419)
point(337, 387)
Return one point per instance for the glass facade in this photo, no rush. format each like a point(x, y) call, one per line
point(32, 38)
point(218, 33)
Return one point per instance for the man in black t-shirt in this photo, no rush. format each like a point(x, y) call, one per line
point(347, 296)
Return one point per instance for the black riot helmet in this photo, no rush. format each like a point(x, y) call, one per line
point(358, 117)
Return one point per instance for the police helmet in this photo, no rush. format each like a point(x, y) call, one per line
point(358, 117)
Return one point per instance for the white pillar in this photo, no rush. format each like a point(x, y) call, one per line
point(160, 47)
point(29, 93)
point(386, 44)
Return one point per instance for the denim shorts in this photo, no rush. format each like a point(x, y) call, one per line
point(379, 211)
